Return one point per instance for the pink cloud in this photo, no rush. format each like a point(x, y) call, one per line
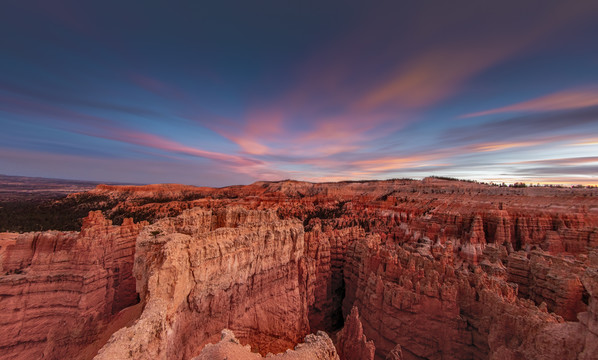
point(562, 100)
point(161, 143)
point(124, 169)
point(341, 111)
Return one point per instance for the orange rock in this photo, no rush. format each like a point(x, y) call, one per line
point(438, 269)
point(61, 289)
point(351, 343)
point(317, 346)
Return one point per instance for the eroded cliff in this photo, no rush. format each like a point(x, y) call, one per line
point(58, 290)
point(434, 269)
point(204, 271)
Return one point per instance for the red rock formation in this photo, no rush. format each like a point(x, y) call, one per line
point(439, 269)
point(325, 249)
point(317, 346)
point(395, 354)
point(58, 290)
point(434, 310)
point(405, 298)
point(589, 319)
point(351, 343)
point(548, 279)
point(204, 271)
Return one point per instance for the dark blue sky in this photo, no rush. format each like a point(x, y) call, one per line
point(189, 92)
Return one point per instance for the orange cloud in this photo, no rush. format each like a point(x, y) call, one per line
point(394, 163)
point(158, 142)
point(428, 78)
point(266, 136)
point(562, 100)
point(561, 161)
point(438, 72)
point(503, 146)
point(586, 142)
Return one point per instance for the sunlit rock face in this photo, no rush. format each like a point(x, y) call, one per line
point(59, 290)
point(351, 342)
point(318, 346)
point(204, 271)
point(434, 269)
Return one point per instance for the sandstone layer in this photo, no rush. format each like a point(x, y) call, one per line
point(204, 271)
point(58, 290)
point(434, 269)
point(351, 343)
point(317, 346)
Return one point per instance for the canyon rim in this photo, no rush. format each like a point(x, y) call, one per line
point(396, 269)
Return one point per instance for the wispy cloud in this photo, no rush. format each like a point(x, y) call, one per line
point(562, 161)
point(371, 95)
point(333, 107)
point(161, 143)
point(526, 128)
point(562, 100)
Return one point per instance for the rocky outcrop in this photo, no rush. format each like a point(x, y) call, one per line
point(589, 319)
point(552, 280)
point(317, 346)
point(325, 253)
point(438, 269)
point(395, 354)
point(59, 290)
point(405, 298)
point(351, 343)
point(436, 310)
point(205, 271)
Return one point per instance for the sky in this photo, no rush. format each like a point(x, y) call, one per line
point(231, 92)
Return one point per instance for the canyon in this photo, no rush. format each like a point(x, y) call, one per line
point(395, 269)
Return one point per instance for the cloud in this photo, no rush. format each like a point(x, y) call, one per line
point(161, 143)
point(358, 89)
point(527, 127)
point(497, 146)
point(562, 100)
point(36, 96)
point(326, 110)
point(586, 142)
point(588, 170)
point(141, 171)
point(562, 161)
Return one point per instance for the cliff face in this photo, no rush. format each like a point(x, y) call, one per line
point(325, 253)
point(405, 298)
point(435, 310)
point(549, 279)
point(589, 320)
point(205, 271)
point(351, 343)
point(58, 290)
point(437, 270)
point(317, 346)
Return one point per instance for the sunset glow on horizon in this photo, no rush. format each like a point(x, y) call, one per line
point(238, 92)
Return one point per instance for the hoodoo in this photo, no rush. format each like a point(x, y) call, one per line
point(396, 269)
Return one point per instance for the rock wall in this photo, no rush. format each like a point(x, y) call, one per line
point(589, 319)
point(58, 290)
point(317, 346)
point(351, 343)
point(407, 299)
point(549, 279)
point(438, 270)
point(204, 271)
point(325, 251)
point(436, 308)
